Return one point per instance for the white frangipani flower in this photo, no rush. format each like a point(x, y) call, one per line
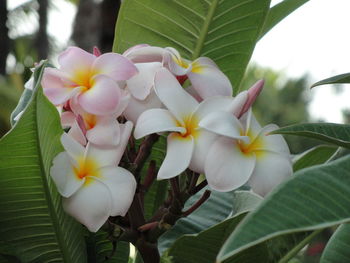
point(92, 184)
point(245, 153)
point(188, 142)
point(205, 76)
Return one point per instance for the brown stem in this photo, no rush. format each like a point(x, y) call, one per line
point(148, 251)
point(135, 213)
point(200, 201)
point(193, 182)
point(143, 153)
point(150, 177)
point(199, 187)
point(175, 186)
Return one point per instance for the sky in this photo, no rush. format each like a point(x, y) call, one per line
point(313, 40)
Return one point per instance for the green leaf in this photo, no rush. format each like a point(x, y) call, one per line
point(225, 30)
point(317, 155)
point(279, 12)
point(314, 198)
point(100, 249)
point(339, 79)
point(338, 134)
point(338, 246)
point(32, 220)
point(217, 208)
point(204, 246)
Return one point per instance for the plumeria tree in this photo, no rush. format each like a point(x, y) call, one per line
point(155, 145)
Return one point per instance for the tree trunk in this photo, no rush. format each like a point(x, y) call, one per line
point(4, 38)
point(42, 40)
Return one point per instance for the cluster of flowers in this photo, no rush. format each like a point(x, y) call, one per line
point(209, 131)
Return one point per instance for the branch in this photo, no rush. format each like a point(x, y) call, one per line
point(142, 155)
point(200, 201)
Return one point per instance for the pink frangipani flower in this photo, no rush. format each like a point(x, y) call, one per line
point(92, 80)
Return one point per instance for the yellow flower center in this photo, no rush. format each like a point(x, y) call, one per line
point(84, 78)
point(86, 167)
point(90, 121)
point(253, 147)
point(180, 62)
point(191, 125)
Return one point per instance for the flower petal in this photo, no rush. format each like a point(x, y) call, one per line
point(177, 65)
point(141, 84)
point(102, 98)
point(136, 107)
point(77, 134)
point(73, 148)
point(238, 103)
point(122, 185)
point(63, 175)
point(74, 60)
point(209, 81)
point(67, 119)
point(223, 123)
point(272, 142)
point(102, 155)
point(250, 124)
point(114, 66)
point(105, 132)
point(178, 156)
point(173, 96)
point(55, 86)
point(212, 104)
point(154, 121)
point(270, 170)
point(226, 167)
point(202, 142)
point(91, 205)
point(123, 103)
point(144, 53)
point(125, 131)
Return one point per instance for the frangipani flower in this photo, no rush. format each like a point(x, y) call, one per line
point(102, 130)
point(93, 80)
point(206, 78)
point(188, 142)
point(141, 89)
point(247, 154)
point(92, 184)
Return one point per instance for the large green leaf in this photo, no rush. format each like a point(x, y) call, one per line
point(339, 79)
point(314, 198)
point(204, 246)
point(33, 223)
point(338, 134)
point(279, 12)
point(217, 208)
point(338, 246)
point(317, 155)
point(100, 249)
point(225, 30)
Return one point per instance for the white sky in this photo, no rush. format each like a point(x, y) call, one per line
point(314, 39)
